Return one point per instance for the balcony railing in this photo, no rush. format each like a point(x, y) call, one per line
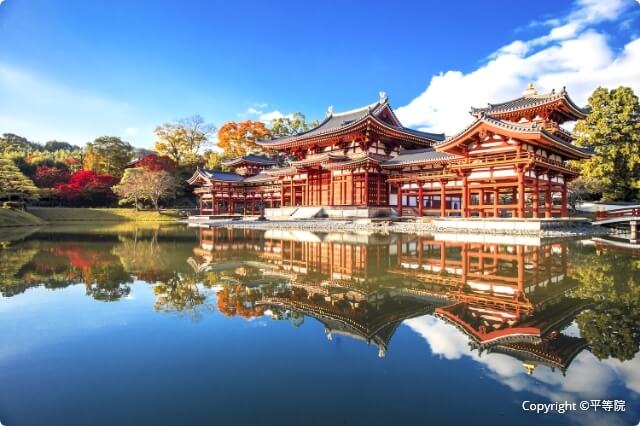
point(625, 212)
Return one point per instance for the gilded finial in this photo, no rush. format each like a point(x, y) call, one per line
point(531, 90)
point(529, 367)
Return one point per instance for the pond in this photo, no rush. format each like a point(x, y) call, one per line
point(177, 326)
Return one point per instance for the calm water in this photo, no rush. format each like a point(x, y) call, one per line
point(171, 326)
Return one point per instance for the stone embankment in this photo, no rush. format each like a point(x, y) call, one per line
point(385, 226)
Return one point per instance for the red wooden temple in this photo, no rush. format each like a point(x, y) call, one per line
point(511, 161)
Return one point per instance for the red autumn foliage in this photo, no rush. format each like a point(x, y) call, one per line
point(81, 257)
point(88, 187)
point(48, 177)
point(154, 163)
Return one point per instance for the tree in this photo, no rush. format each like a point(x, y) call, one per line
point(157, 185)
point(52, 146)
point(88, 187)
point(183, 140)
point(584, 188)
point(291, 125)
point(139, 184)
point(131, 187)
point(239, 138)
point(9, 141)
point(612, 130)
point(14, 184)
point(107, 155)
point(47, 176)
point(213, 160)
point(155, 162)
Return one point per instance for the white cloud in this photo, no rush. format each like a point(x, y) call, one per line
point(254, 111)
point(268, 116)
point(572, 54)
point(131, 131)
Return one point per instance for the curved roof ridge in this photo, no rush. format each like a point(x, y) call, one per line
point(473, 123)
point(528, 101)
point(367, 108)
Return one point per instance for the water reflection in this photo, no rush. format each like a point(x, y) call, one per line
point(514, 297)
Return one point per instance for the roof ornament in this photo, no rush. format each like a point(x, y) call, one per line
point(564, 89)
point(330, 110)
point(383, 96)
point(530, 90)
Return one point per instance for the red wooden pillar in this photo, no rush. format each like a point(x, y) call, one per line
point(520, 193)
point(281, 194)
point(366, 188)
point(378, 189)
point(465, 195)
point(292, 197)
point(547, 198)
point(399, 198)
point(536, 195)
point(330, 188)
point(443, 197)
point(420, 200)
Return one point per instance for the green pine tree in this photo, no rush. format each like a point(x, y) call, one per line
point(612, 130)
point(14, 185)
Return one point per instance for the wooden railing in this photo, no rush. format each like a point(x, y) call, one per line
point(625, 212)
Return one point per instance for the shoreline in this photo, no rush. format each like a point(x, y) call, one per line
point(395, 227)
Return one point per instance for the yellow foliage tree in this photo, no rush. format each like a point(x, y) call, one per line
point(182, 141)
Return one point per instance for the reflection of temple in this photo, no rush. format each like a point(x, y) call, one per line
point(507, 298)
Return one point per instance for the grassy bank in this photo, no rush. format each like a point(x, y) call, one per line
point(69, 214)
point(11, 217)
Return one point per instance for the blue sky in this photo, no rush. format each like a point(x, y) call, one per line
point(75, 70)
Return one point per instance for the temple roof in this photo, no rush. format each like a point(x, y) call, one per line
point(533, 129)
point(555, 351)
point(214, 175)
point(380, 111)
point(417, 156)
point(531, 99)
point(251, 159)
point(260, 177)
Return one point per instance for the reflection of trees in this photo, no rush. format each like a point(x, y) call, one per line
point(612, 325)
point(181, 294)
point(12, 263)
point(107, 283)
point(236, 299)
point(141, 255)
point(102, 273)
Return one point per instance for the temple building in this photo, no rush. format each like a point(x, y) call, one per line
point(511, 161)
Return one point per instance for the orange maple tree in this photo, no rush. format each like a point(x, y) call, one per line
point(239, 138)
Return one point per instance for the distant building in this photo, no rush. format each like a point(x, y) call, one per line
point(512, 161)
